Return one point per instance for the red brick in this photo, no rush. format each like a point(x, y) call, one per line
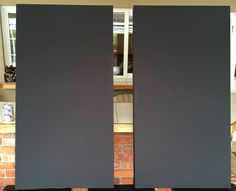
point(0, 141)
point(7, 166)
point(124, 134)
point(10, 173)
point(123, 157)
point(128, 149)
point(7, 135)
point(10, 158)
point(116, 164)
point(123, 173)
point(116, 181)
point(126, 165)
point(123, 140)
point(1, 173)
point(117, 149)
point(7, 149)
point(7, 181)
point(8, 141)
point(127, 181)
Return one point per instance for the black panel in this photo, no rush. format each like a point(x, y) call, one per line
point(12, 188)
point(64, 131)
point(210, 189)
point(123, 188)
point(182, 96)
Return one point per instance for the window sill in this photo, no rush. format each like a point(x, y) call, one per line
point(7, 128)
point(117, 86)
point(118, 128)
point(9, 86)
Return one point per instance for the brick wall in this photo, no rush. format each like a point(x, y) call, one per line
point(123, 159)
point(7, 159)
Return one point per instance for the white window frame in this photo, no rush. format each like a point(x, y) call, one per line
point(126, 78)
point(5, 10)
point(232, 50)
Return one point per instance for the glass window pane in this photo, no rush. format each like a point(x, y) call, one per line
point(118, 43)
point(13, 58)
point(12, 46)
point(130, 53)
point(12, 35)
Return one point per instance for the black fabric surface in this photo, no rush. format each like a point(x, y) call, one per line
point(182, 96)
point(64, 124)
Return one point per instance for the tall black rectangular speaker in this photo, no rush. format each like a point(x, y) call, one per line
point(182, 96)
point(64, 125)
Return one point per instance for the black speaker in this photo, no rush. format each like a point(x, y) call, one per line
point(12, 188)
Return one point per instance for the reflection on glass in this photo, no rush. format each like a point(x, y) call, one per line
point(118, 43)
point(130, 50)
point(12, 35)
